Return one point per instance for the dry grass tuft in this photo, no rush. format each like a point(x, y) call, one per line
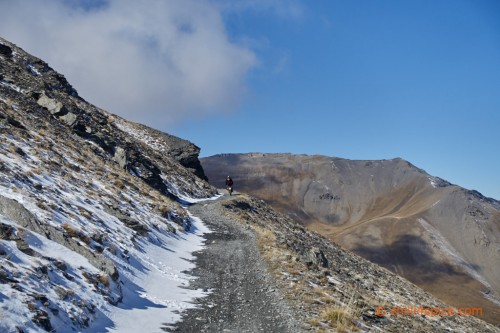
point(72, 232)
point(104, 280)
point(85, 213)
point(41, 204)
point(342, 317)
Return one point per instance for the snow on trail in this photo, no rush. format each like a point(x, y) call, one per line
point(155, 293)
point(187, 200)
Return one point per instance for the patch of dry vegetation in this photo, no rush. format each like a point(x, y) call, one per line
point(306, 287)
point(72, 232)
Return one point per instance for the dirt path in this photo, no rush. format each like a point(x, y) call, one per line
point(243, 297)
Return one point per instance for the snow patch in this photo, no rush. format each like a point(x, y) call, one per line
point(156, 291)
point(434, 204)
point(33, 70)
point(433, 183)
point(12, 86)
point(186, 201)
point(142, 136)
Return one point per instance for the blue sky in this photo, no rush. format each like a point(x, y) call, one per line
point(372, 80)
point(357, 79)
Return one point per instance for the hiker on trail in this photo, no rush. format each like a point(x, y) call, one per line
point(229, 185)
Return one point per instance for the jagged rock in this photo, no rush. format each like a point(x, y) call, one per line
point(6, 231)
point(53, 106)
point(69, 118)
point(24, 247)
point(317, 257)
point(183, 151)
point(5, 51)
point(20, 152)
point(41, 318)
point(120, 157)
point(140, 228)
point(5, 277)
point(18, 213)
point(41, 297)
point(60, 265)
point(12, 209)
point(15, 123)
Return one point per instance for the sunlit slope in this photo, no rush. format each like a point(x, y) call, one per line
point(436, 234)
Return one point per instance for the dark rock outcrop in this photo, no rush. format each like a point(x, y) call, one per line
point(5, 50)
point(183, 151)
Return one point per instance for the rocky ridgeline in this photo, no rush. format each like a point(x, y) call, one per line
point(181, 150)
point(336, 290)
point(76, 181)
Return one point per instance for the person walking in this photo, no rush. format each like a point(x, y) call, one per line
point(229, 185)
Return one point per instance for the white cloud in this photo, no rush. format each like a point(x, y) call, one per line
point(157, 61)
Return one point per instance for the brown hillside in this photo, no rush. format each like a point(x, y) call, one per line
point(442, 237)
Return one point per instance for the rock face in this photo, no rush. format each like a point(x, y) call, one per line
point(181, 150)
point(440, 236)
point(16, 212)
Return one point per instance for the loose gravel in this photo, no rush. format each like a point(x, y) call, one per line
point(243, 297)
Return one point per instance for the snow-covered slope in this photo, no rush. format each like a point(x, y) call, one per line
point(92, 232)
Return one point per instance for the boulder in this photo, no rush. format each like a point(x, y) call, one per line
point(317, 257)
point(53, 106)
point(6, 231)
point(120, 157)
point(69, 118)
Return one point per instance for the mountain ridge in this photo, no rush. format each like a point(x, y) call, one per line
point(380, 209)
point(440, 180)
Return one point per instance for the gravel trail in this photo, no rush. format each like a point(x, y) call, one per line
point(243, 296)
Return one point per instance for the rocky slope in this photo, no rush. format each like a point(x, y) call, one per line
point(83, 193)
point(440, 236)
point(327, 288)
point(30, 85)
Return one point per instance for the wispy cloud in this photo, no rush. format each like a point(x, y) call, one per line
point(287, 9)
point(157, 62)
